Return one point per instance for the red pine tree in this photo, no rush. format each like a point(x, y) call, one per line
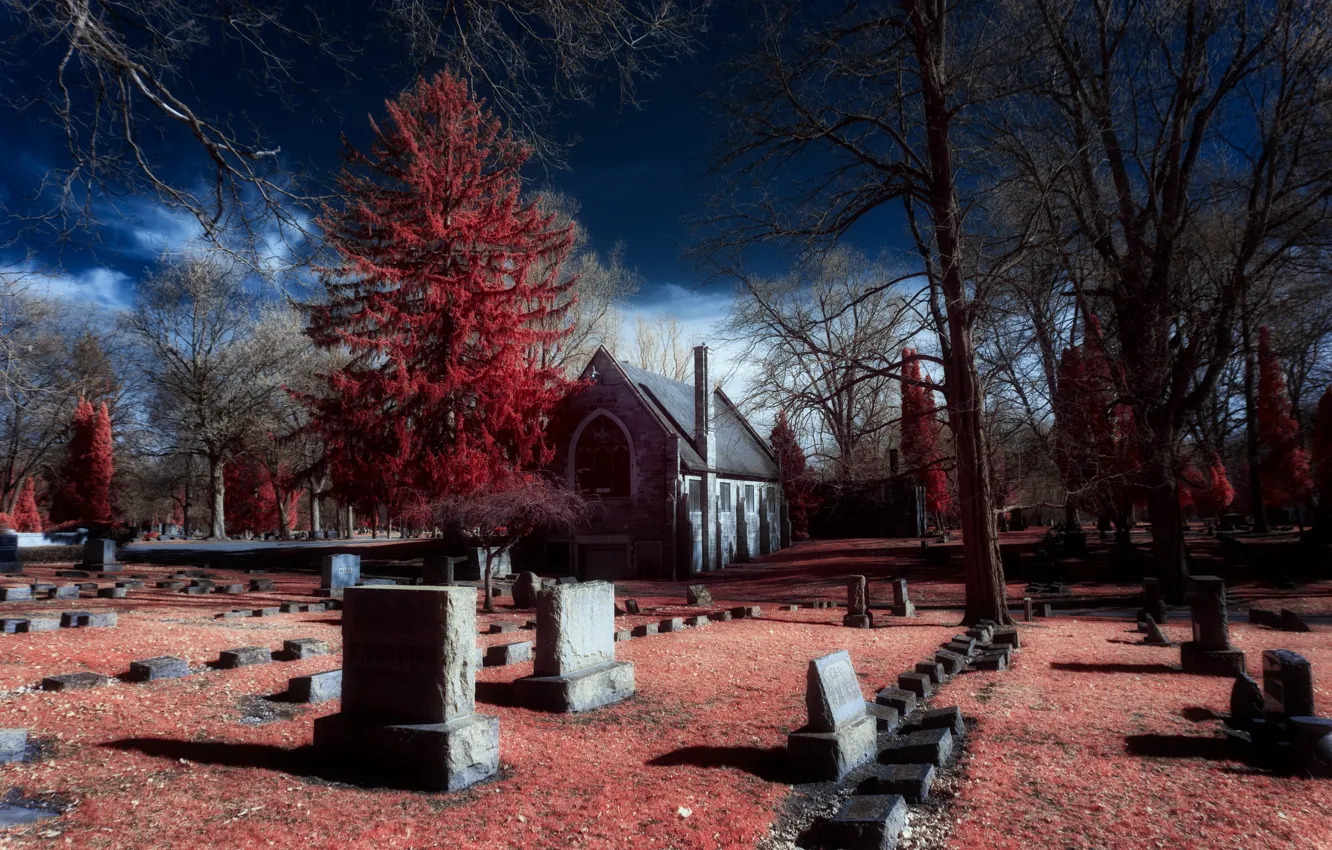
point(100, 468)
point(26, 515)
point(446, 282)
point(251, 503)
point(920, 436)
point(796, 485)
point(1284, 466)
point(1219, 494)
point(69, 502)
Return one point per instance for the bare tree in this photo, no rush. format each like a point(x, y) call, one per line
point(211, 361)
point(115, 74)
point(660, 346)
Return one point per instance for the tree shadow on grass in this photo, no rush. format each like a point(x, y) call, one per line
point(1199, 714)
point(767, 764)
point(1112, 667)
point(1180, 747)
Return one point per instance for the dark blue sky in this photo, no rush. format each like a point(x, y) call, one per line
point(638, 173)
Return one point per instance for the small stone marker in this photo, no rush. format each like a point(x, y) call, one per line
point(631, 606)
point(886, 718)
point(409, 688)
point(337, 573)
point(10, 625)
point(100, 555)
point(857, 604)
point(161, 667)
point(243, 656)
point(917, 683)
point(1155, 637)
point(1027, 613)
point(66, 591)
point(962, 645)
point(298, 648)
point(1044, 609)
point(911, 781)
point(934, 670)
point(1312, 742)
point(131, 584)
point(698, 621)
point(623, 635)
point(525, 589)
point(293, 608)
point(503, 654)
point(73, 574)
point(866, 822)
point(13, 745)
point(261, 584)
point(1287, 684)
point(502, 628)
point(439, 570)
point(575, 667)
point(791, 607)
point(233, 614)
point(16, 594)
point(645, 630)
point(232, 588)
point(42, 625)
point(720, 616)
point(902, 605)
point(741, 612)
point(902, 700)
point(1152, 603)
point(841, 735)
point(270, 611)
point(952, 662)
point(990, 660)
point(169, 584)
point(671, 624)
point(73, 619)
point(317, 687)
point(1289, 621)
point(73, 682)
point(1210, 653)
point(928, 746)
point(949, 718)
point(1246, 701)
point(111, 593)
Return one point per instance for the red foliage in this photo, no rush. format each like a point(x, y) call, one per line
point(920, 436)
point(445, 294)
point(1211, 495)
point(6, 523)
point(796, 484)
point(1284, 466)
point(251, 501)
point(26, 515)
point(85, 491)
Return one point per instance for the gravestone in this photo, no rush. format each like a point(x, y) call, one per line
point(39, 625)
point(338, 573)
point(1027, 613)
point(298, 648)
point(644, 630)
point(439, 570)
point(261, 584)
point(902, 605)
point(243, 656)
point(1289, 621)
point(473, 566)
point(13, 745)
point(23, 593)
point(928, 746)
point(865, 821)
point(9, 562)
point(575, 667)
point(631, 606)
point(74, 682)
point(161, 667)
point(100, 555)
point(1155, 637)
point(857, 604)
point(409, 689)
point(698, 594)
point(317, 687)
point(1210, 652)
point(1287, 684)
point(503, 654)
point(525, 590)
point(841, 735)
point(1152, 603)
point(911, 781)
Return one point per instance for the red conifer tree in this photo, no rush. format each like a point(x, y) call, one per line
point(447, 284)
point(796, 485)
point(69, 502)
point(26, 515)
point(920, 436)
point(1284, 466)
point(1219, 494)
point(100, 468)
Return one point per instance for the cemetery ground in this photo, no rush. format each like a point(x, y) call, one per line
point(1091, 739)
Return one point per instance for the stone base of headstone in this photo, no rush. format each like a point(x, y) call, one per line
point(583, 690)
point(866, 822)
point(907, 609)
point(429, 756)
point(859, 621)
point(818, 756)
point(1210, 662)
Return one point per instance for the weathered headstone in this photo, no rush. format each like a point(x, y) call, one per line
point(902, 605)
point(503, 654)
point(439, 570)
point(337, 573)
point(243, 656)
point(858, 615)
point(1290, 621)
point(631, 606)
point(918, 683)
point(298, 648)
point(22, 593)
point(1287, 683)
point(902, 700)
point(575, 667)
point(317, 687)
point(911, 781)
point(698, 594)
point(928, 746)
point(409, 688)
point(841, 735)
point(865, 821)
point(1028, 614)
point(525, 590)
point(1210, 653)
point(74, 682)
point(1246, 701)
point(9, 562)
point(13, 745)
point(161, 667)
point(100, 555)
point(1155, 637)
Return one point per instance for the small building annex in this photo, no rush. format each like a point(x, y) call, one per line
point(680, 482)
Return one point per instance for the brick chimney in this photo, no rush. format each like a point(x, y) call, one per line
point(704, 438)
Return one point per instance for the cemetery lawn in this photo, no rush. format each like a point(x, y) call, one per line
point(1090, 740)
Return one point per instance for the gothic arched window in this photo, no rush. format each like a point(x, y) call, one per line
point(601, 458)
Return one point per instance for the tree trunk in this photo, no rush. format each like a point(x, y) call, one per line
point(218, 489)
point(1168, 551)
point(315, 519)
point(985, 590)
point(1251, 444)
point(284, 518)
point(187, 527)
point(1070, 517)
point(489, 606)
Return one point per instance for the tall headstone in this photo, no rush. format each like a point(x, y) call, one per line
point(338, 573)
point(9, 562)
point(525, 590)
point(474, 567)
point(902, 605)
point(575, 667)
point(841, 734)
point(1210, 652)
point(100, 555)
point(858, 615)
point(1287, 684)
point(409, 688)
point(1028, 613)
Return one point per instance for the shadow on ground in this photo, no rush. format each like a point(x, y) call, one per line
point(1140, 669)
point(1180, 747)
point(767, 764)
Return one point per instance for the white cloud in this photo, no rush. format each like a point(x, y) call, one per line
point(97, 286)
